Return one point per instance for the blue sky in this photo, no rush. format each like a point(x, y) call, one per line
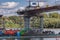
point(9, 7)
point(24, 2)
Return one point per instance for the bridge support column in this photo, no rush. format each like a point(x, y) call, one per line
point(41, 25)
point(27, 22)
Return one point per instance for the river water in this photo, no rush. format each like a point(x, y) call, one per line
point(56, 32)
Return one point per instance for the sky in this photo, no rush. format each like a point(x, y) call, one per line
point(9, 7)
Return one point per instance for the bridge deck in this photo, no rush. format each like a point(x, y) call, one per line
point(36, 10)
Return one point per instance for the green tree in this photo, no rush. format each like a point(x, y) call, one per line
point(53, 15)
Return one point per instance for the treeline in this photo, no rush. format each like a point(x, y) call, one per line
point(51, 20)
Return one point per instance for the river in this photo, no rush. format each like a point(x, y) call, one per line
point(56, 32)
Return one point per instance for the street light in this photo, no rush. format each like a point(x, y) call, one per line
point(29, 2)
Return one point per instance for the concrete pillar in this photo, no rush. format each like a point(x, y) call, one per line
point(41, 25)
point(27, 21)
point(41, 28)
point(27, 25)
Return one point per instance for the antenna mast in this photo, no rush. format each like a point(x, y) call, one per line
point(38, 2)
point(29, 2)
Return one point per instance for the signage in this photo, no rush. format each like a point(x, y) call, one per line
point(34, 3)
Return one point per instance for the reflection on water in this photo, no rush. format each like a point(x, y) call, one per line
point(46, 39)
point(56, 32)
point(49, 38)
point(34, 39)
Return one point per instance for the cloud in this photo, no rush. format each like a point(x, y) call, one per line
point(9, 8)
point(9, 4)
point(22, 8)
point(42, 4)
point(56, 0)
point(8, 12)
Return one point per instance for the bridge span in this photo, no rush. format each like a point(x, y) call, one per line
point(38, 9)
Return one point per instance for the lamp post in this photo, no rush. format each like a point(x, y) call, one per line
point(29, 2)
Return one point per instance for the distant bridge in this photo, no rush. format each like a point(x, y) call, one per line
point(39, 10)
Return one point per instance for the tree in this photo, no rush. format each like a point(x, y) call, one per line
point(53, 15)
point(45, 15)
